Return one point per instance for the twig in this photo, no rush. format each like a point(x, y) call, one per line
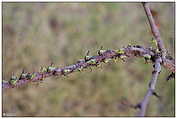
point(143, 104)
point(155, 30)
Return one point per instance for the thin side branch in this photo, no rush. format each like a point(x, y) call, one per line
point(151, 91)
point(155, 30)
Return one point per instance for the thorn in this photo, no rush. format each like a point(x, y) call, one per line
point(87, 52)
point(153, 65)
point(172, 75)
point(87, 57)
point(23, 71)
point(156, 95)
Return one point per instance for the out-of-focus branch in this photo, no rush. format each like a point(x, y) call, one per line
point(155, 30)
point(151, 91)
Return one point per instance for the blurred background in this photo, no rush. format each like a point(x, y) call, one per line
point(36, 34)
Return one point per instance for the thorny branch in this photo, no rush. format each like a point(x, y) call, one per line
point(151, 91)
point(106, 56)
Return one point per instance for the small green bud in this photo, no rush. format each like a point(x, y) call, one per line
point(120, 51)
point(129, 45)
point(13, 77)
point(33, 75)
point(28, 76)
point(23, 75)
point(50, 69)
point(66, 70)
point(107, 60)
point(87, 58)
point(147, 56)
point(43, 69)
point(13, 80)
point(122, 57)
point(92, 61)
point(154, 42)
point(80, 68)
point(115, 60)
point(100, 52)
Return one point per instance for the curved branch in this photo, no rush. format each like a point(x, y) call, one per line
point(129, 51)
point(143, 104)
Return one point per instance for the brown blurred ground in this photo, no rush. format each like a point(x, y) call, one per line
point(34, 34)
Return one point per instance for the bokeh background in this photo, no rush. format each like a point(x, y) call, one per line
point(36, 34)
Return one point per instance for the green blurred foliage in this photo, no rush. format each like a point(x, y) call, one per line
point(36, 34)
